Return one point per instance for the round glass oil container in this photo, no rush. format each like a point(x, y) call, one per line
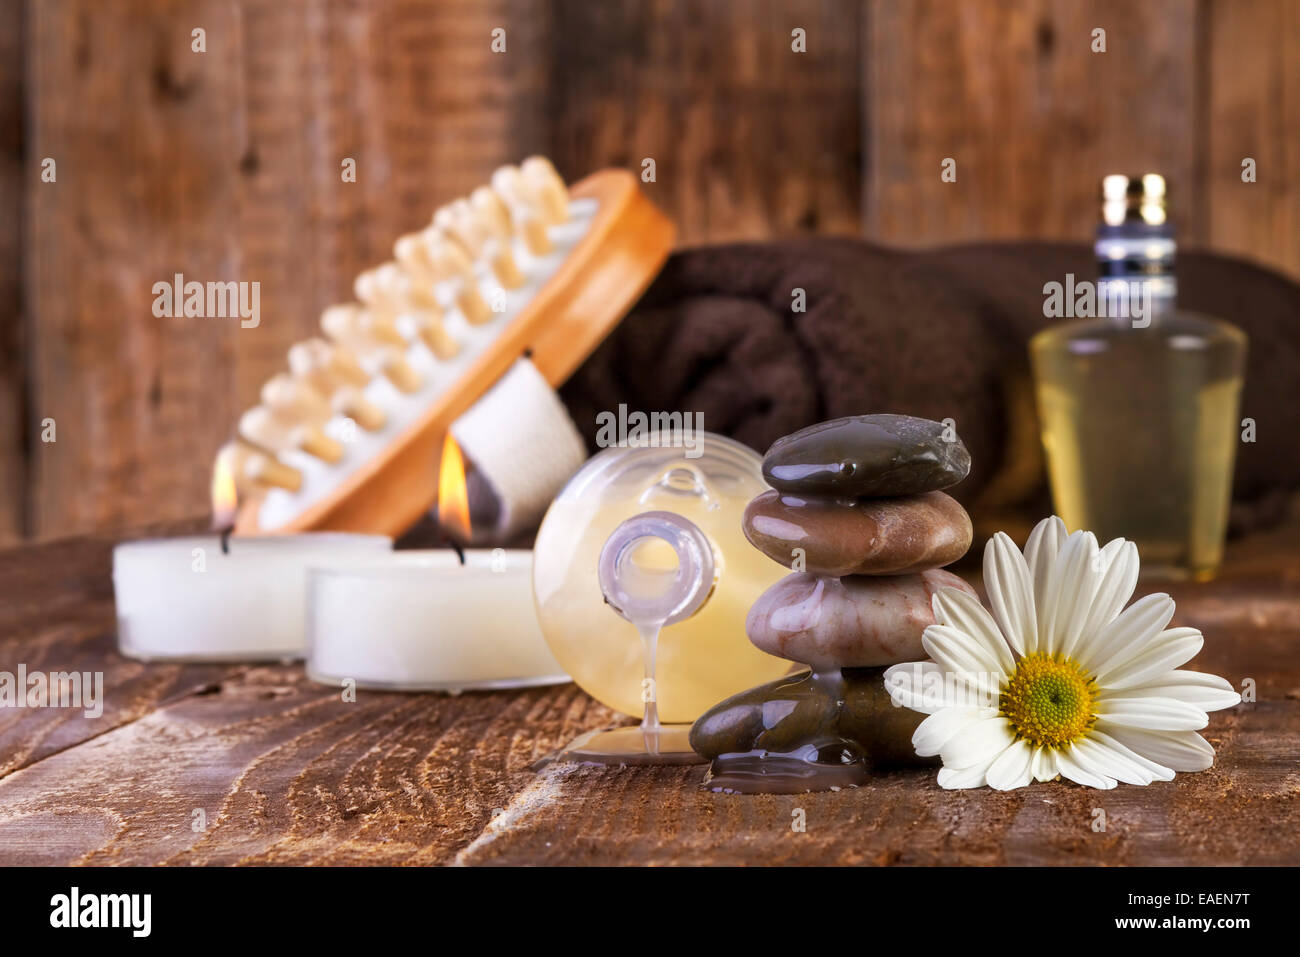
point(701, 659)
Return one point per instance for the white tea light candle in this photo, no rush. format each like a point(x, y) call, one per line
point(185, 599)
point(422, 621)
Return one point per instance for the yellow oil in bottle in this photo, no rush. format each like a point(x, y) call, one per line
point(1138, 406)
point(1140, 429)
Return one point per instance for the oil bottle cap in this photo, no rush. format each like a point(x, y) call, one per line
point(1134, 199)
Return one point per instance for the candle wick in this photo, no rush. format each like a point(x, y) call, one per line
point(459, 549)
point(225, 539)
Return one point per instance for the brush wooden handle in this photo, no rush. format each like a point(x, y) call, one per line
point(599, 280)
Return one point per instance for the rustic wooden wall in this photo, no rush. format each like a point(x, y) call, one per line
point(225, 165)
point(13, 177)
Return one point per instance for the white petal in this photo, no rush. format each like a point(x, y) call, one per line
point(1041, 549)
point(1071, 585)
point(1111, 762)
point(1011, 593)
point(1119, 563)
point(938, 729)
point(958, 652)
point(1207, 692)
point(1071, 767)
point(926, 687)
point(1179, 750)
point(1126, 637)
point(978, 742)
point(1108, 553)
point(907, 684)
point(953, 779)
point(1169, 649)
point(1154, 714)
point(1044, 764)
point(1011, 768)
point(1157, 771)
point(963, 611)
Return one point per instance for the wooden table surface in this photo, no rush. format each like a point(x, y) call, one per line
point(285, 772)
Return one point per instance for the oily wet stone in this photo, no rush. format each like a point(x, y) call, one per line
point(887, 536)
point(793, 713)
point(850, 622)
point(830, 764)
point(865, 456)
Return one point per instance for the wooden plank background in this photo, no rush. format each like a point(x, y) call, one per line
point(225, 165)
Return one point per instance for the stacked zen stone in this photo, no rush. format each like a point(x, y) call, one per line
point(856, 510)
point(855, 502)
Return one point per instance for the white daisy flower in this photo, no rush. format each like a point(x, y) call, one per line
point(1060, 679)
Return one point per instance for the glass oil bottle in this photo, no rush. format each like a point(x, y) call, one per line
point(1139, 414)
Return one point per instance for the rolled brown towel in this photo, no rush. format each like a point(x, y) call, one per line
point(938, 334)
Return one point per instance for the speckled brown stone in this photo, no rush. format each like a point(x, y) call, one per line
point(853, 622)
point(888, 536)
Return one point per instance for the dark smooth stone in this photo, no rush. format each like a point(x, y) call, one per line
point(851, 622)
point(864, 456)
point(830, 765)
point(792, 715)
point(885, 536)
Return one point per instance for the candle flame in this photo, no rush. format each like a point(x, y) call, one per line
point(453, 498)
point(225, 496)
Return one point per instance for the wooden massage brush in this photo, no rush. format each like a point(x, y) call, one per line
point(350, 437)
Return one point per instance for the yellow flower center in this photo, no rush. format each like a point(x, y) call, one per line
point(1049, 700)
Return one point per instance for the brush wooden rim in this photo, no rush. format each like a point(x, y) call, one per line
point(597, 283)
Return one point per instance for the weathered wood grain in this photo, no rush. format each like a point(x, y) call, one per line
point(1033, 118)
point(409, 90)
point(1252, 97)
point(131, 690)
point(285, 771)
point(144, 137)
point(750, 139)
point(226, 165)
point(57, 615)
point(13, 185)
point(1245, 810)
